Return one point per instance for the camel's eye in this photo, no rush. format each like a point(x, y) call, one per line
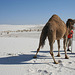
point(72, 23)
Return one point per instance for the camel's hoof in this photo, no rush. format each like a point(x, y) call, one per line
point(35, 56)
point(66, 57)
point(58, 55)
point(55, 62)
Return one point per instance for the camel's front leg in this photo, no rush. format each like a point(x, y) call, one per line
point(51, 39)
point(53, 58)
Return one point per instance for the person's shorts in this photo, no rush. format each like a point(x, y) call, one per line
point(69, 41)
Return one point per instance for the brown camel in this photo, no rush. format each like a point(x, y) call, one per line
point(55, 29)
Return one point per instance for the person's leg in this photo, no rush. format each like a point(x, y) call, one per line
point(69, 44)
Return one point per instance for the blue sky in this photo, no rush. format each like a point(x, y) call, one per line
point(35, 11)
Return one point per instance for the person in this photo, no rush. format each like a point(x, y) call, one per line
point(70, 36)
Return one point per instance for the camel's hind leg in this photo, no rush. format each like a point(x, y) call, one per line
point(40, 45)
point(51, 52)
point(65, 40)
point(42, 39)
point(37, 52)
point(51, 38)
point(58, 41)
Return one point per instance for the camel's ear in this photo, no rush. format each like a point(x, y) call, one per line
point(74, 20)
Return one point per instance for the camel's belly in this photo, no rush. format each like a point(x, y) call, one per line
point(60, 34)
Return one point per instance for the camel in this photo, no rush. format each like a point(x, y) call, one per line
point(55, 29)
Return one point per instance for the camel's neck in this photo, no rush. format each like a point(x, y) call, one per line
point(68, 30)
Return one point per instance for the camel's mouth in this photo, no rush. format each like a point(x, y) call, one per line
point(73, 26)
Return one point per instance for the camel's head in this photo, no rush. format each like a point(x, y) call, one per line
point(70, 23)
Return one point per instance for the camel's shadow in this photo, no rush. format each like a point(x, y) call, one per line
point(47, 51)
point(24, 58)
point(20, 59)
point(16, 59)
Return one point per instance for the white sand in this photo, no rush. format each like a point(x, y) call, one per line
point(18, 48)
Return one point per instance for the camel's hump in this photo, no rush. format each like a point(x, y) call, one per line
point(55, 18)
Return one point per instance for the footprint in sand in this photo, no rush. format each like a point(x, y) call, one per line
point(70, 62)
point(11, 54)
point(43, 71)
point(51, 73)
point(59, 61)
point(39, 71)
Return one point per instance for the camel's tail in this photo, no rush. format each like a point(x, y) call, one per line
point(43, 36)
